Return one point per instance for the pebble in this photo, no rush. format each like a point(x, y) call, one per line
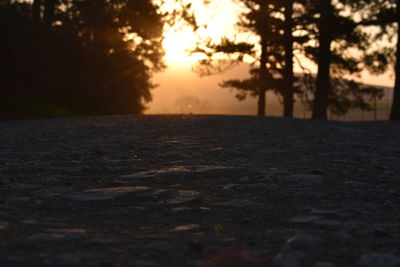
point(343, 236)
point(262, 186)
point(58, 235)
point(289, 259)
point(325, 222)
point(244, 179)
point(159, 246)
point(308, 195)
point(19, 201)
point(241, 203)
point(186, 227)
point(173, 155)
point(142, 263)
point(105, 193)
point(304, 218)
point(302, 241)
point(3, 225)
point(324, 264)
point(304, 179)
point(65, 260)
point(378, 260)
point(20, 186)
point(52, 192)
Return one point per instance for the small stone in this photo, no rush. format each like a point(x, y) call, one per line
point(302, 241)
point(105, 193)
point(262, 186)
point(304, 218)
point(159, 246)
point(230, 186)
point(378, 260)
point(240, 203)
point(142, 263)
point(18, 186)
point(244, 179)
point(67, 260)
point(47, 237)
point(326, 222)
point(45, 224)
point(52, 192)
point(380, 231)
point(173, 155)
point(4, 181)
point(186, 227)
point(196, 245)
point(219, 171)
point(304, 179)
point(197, 263)
point(19, 201)
point(58, 235)
point(307, 195)
point(290, 259)
point(355, 224)
point(343, 236)
point(3, 225)
point(324, 264)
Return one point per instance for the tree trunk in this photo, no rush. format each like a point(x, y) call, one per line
point(395, 113)
point(49, 11)
point(263, 78)
point(322, 90)
point(289, 76)
point(36, 9)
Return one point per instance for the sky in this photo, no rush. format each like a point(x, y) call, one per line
point(178, 84)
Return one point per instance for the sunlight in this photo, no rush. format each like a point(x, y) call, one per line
point(179, 40)
point(177, 44)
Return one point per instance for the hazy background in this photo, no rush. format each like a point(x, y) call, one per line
point(181, 90)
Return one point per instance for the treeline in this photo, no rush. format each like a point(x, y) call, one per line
point(77, 57)
point(343, 37)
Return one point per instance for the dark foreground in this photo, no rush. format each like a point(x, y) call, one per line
point(199, 191)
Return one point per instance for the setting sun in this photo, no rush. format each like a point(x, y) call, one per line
point(177, 45)
point(179, 40)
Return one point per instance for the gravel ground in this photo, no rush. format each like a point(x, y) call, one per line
point(199, 191)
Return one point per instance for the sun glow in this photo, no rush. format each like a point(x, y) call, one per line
point(178, 44)
point(179, 40)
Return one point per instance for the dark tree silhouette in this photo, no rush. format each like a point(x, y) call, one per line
point(274, 71)
point(395, 112)
point(288, 71)
point(341, 54)
point(78, 57)
point(322, 91)
point(384, 14)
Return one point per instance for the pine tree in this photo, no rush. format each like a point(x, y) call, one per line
point(273, 23)
point(340, 54)
point(384, 14)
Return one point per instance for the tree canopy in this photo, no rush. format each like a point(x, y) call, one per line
point(329, 33)
point(70, 57)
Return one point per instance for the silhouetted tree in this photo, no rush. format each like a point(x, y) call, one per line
point(36, 9)
point(78, 57)
point(288, 69)
point(273, 54)
point(340, 53)
point(384, 14)
point(395, 112)
point(322, 90)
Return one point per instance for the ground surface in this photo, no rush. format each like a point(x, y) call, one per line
point(199, 191)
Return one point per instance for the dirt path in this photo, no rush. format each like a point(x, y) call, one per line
point(199, 191)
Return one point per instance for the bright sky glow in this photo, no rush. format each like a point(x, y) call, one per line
point(220, 16)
